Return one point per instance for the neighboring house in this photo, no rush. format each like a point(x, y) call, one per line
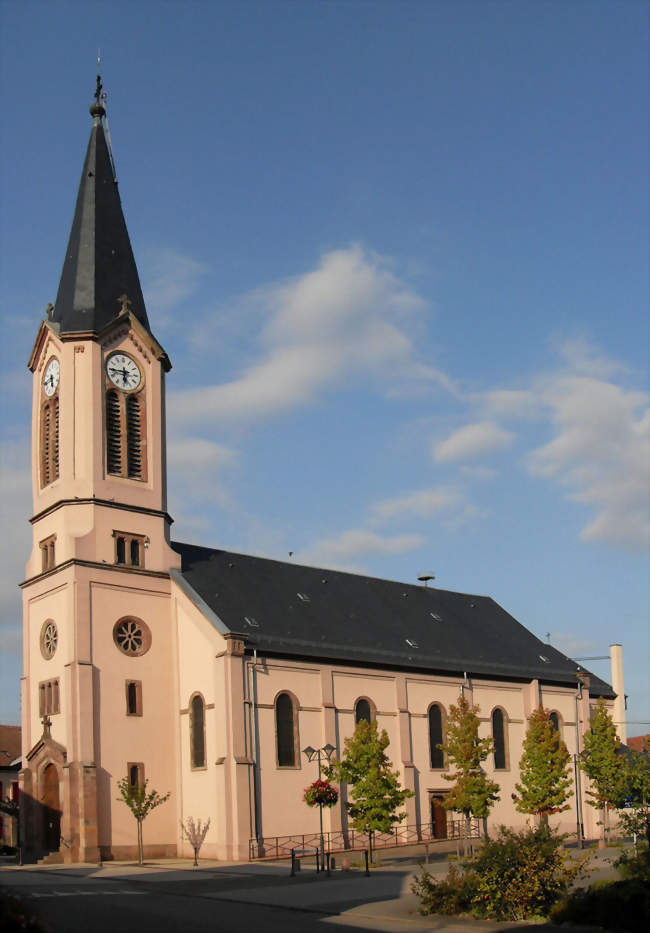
point(640, 743)
point(10, 763)
point(203, 671)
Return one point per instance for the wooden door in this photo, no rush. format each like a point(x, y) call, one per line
point(51, 809)
point(438, 817)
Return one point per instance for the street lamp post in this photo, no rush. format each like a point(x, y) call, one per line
point(311, 753)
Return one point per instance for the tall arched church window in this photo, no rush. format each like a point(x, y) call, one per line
point(286, 731)
point(125, 418)
point(436, 736)
point(500, 738)
point(363, 709)
point(197, 731)
point(554, 719)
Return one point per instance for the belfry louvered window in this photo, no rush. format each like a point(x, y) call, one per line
point(49, 441)
point(125, 427)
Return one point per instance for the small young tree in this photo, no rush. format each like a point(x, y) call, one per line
point(375, 792)
point(636, 820)
point(544, 769)
point(195, 834)
point(603, 763)
point(140, 803)
point(473, 793)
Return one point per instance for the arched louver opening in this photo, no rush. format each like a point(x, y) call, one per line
point(134, 437)
point(197, 730)
point(285, 731)
point(49, 441)
point(555, 721)
point(113, 433)
point(499, 737)
point(436, 738)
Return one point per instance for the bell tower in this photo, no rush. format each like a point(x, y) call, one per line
point(97, 578)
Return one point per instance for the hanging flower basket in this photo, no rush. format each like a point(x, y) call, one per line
point(321, 793)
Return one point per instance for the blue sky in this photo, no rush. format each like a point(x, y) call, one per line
point(398, 254)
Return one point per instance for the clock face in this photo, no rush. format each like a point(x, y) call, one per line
point(51, 377)
point(123, 371)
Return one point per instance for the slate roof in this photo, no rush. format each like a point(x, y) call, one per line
point(305, 612)
point(99, 265)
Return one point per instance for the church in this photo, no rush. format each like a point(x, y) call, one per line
point(204, 672)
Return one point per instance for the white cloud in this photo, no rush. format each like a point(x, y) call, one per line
point(470, 441)
point(509, 402)
point(196, 468)
point(421, 502)
point(344, 550)
point(168, 278)
point(344, 319)
point(601, 452)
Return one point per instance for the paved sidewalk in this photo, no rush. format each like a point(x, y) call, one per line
point(381, 901)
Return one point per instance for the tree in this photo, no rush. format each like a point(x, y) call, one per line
point(375, 792)
point(473, 793)
point(544, 769)
point(636, 820)
point(603, 763)
point(140, 803)
point(195, 834)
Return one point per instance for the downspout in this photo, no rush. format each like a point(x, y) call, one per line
point(579, 827)
point(254, 734)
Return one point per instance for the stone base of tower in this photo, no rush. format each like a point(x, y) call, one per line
point(58, 805)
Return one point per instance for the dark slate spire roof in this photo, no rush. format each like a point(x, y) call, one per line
point(99, 266)
point(302, 612)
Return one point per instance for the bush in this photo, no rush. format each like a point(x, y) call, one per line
point(633, 864)
point(617, 905)
point(522, 874)
point(513, 877)
point(452, 895)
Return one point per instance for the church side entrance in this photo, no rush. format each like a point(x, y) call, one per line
point(438, 816)
point(51, 809)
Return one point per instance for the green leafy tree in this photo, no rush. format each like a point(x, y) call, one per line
point(472, 793)
point(603, 763)
point(635, 821)
point(140, 803)
point(375, 794)
point(544, 769)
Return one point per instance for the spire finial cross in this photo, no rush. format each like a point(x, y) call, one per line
point(47, 723)
point(125, 301)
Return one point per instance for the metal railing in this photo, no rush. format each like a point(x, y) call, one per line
point(274, 847)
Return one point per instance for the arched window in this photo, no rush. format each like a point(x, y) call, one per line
point(554, 719)
point(286, 731)
point(50, 441)
point(436, 736)
point(363, 709)
point(125, 434)
point(197, 731)
point(500, 737)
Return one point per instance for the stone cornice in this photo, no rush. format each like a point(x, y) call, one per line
point(105, 503)
point(119, 568)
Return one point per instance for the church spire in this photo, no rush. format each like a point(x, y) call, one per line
point(99, 268)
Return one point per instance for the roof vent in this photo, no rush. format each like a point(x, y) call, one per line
point(435, 617)
point(324, 580)
point(304, 597)
point(544, 659)
point(411, 643)
point(253, 623)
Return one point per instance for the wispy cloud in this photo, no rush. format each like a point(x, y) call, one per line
point(168, 278)
point(601, 453)
point(345, 319)
point(421, 502)
point(471, 441)
point(350, 547)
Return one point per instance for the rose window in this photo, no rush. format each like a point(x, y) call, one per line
point(49, 639)
point(132, 637)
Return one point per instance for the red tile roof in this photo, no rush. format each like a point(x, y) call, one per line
point(9, 742)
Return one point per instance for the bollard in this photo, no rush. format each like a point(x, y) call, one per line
point(317, 861)
point(293, 863)
point(327, 862)
point(365, 855)
point(426, 853)
point(333, 863)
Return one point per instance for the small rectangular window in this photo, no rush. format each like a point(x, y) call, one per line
point(133, 697)
point(129, 548)
point(135, 773)
point(47, 553)
point(48, 697)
